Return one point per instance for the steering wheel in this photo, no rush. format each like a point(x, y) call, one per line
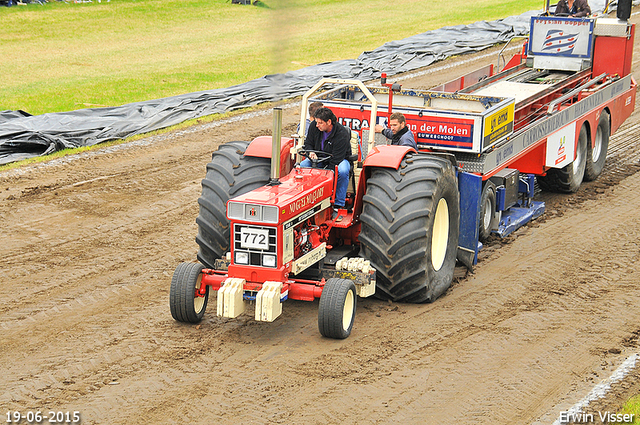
point(321, 156)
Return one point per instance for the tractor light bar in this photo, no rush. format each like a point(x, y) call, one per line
point(252, 212)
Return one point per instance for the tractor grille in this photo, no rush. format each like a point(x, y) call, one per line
point(255, 245)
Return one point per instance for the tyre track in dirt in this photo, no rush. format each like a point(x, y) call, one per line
point(89, 246)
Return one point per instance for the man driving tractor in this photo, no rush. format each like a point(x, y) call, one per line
point(333, 141)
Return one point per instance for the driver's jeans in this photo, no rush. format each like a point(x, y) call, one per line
point(343, 180)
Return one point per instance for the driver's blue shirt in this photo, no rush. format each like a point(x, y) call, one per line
point(325, 134)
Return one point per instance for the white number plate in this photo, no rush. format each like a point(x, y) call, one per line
point(251, 238)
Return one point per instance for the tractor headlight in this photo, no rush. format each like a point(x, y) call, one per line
point(242, 258)
point(269, 260)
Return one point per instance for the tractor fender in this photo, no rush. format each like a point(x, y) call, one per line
point(261, 147)
point(387, 156)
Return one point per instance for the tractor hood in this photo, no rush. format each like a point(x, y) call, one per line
point(299, 191)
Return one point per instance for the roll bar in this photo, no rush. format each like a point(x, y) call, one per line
point(305, 106)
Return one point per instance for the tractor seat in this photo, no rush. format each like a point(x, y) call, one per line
point(356, 166)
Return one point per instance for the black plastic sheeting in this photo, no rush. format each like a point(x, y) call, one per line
point(24, 136)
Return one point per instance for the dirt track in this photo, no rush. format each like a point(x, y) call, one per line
point(89, 246)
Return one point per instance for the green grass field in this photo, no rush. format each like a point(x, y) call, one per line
point(65, 56)
point(632, 407)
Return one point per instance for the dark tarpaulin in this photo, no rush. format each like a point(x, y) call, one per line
point(23, 136)
point(9, 115)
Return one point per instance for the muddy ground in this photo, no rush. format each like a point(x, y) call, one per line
point(89, 244)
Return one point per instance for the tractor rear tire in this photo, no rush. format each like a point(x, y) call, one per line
point(597, 154)
point(410, 226)
point(229, 174)
point(569, 178)
point(337, 308)
point(185, 305)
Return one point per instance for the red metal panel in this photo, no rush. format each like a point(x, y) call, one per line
point(531, 163)
point(259, 274)
point(609, 55)
point(518, 58)
point(613, 54)
point(515, 60)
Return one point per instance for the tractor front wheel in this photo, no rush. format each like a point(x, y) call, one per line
point(337, 308)
point(185, 305)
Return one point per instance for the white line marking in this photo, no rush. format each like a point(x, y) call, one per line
point(600, 390)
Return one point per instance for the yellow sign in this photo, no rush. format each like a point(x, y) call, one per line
point(498, 124)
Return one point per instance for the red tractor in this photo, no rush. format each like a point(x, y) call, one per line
point(410, 216)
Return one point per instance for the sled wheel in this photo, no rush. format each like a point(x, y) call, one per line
point(487, 221)
point(185, 305)
point(569, 178)
point(229, 174)
point(410, 226)
point(337, 308)
point(597, 154)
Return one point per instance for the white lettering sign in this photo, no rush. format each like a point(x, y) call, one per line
point(310, 199)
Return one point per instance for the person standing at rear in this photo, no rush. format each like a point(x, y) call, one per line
point(398, 131)
point(313, 107)
point(573, 8)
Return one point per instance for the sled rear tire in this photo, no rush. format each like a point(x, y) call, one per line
point(569, 178)
point(597, 155)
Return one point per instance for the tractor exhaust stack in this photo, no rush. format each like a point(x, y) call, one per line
point(276, 141)
point(275, 147)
